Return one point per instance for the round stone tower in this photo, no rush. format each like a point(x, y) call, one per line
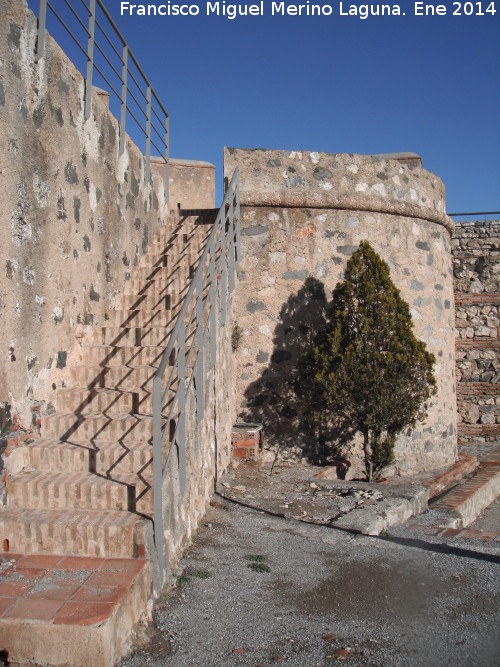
point(302, 215)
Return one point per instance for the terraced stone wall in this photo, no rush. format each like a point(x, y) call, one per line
point(303, 214)
point(476, 267)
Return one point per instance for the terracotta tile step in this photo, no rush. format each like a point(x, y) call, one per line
point(68, 490)
point(101, 533)
point(466, 501)
point(122, 355)
point(107, 401)
point(70, 610)
point(97, 427)
point(106, 458)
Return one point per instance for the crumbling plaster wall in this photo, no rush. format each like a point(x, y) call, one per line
point(303, 214)
point(75, 216)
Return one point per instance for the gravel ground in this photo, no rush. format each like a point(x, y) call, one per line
point(329, 596)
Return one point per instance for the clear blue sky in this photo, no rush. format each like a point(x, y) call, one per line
point(337, 84)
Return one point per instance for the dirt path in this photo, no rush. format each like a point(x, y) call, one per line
point(315, 596)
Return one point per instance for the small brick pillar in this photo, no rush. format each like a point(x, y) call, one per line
point(247, 442)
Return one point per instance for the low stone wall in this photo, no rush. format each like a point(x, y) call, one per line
point(476, 268)
point(303, 214)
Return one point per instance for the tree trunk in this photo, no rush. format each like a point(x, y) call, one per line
point(367, 446)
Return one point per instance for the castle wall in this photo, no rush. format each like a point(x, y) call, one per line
point(476, 266)
point(303, 214)
point(75, 216)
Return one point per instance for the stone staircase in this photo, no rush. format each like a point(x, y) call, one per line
point(85, 487)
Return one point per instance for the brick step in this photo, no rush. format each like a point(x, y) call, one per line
point(140, 318)
point(465, 465)
point(106, 458)
point(180, 255)
point(147, 301)
point(122, 355)
point(100, 533)
point(153, 335)
point(158, 284)
point(108, 401)
point(466, 501)
point(37, 489)
point(70, 610)
point(121, 378)
point(97, 427)
point(141, 489)
point(146, 318)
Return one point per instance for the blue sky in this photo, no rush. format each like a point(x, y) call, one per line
point(337, 84)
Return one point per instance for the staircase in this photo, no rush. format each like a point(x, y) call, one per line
point(85, 488)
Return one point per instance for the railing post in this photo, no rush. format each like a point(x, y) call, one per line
point(237, 214)
point(232, 278)
point(40, 42)
point(123, 114)
point(181, 402)
point(167, 160)
point(223, 272)
point(200, 375)
point(147, 171)
point(90, 60)
point(212, 297)
point(158, 474)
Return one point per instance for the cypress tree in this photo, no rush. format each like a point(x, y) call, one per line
point(366, 368)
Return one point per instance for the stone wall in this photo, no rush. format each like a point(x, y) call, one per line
point(208, 451)
point(75, 216)
point(303, 214)
point(476, 267)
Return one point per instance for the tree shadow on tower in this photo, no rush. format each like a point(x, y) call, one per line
point(271, 399)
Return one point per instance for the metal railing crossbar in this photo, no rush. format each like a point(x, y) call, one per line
point(118, 74)
point(75, 14)
point(156, 120)
point(68, 30)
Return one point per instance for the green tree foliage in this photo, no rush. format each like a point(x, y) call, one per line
point(366, 369)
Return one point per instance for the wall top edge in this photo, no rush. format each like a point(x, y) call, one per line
point(395, 184)
point(180, 162)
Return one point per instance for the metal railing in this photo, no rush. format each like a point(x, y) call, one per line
point(108, 55)
point(202, 313)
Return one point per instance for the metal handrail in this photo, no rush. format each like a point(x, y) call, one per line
point(155, 115)
point(207, 297)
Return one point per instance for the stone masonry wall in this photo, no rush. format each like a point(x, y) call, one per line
point(476, 266)
point(208, 451)
point(303, 214)
point(75, 217)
